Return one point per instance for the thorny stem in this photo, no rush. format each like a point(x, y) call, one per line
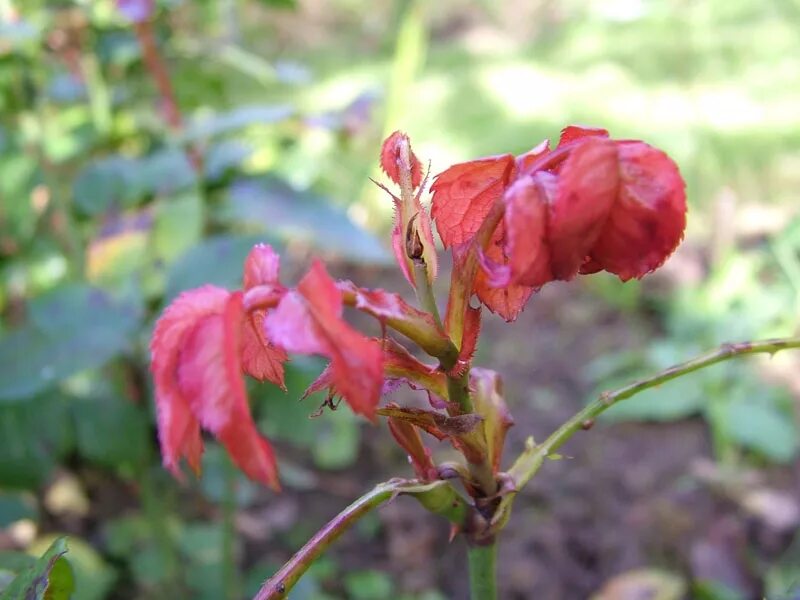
point(482, 560)
point(424, 290)
point(531, 459)
point(438, 497)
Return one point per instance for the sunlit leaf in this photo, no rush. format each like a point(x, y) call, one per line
point(238, 118)
point(49, 578)
point(93, 576)
point(178, 224)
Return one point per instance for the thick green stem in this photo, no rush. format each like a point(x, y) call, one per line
point(482, 561)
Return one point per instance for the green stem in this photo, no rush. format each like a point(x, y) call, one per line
point(230, 575)
point(424, 290)
point(531, 459)
point(482, 561)
point(438, 497)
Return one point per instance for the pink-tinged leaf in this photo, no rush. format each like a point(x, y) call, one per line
point(308, 321)
point(261, 267)
point(178, 428)
point(469, 339)
point(391, 159)
point(438, 425)
point(587, 188)
point(526, 222)
point(506, 301)
point(407, 436)
point(532, 156)
point(571, 133)
point(648, 218)
point(464, 193)
point(324, 381)
point(425, 232)
point(260, 358)
point(400, 254)
point(489, 404)
point(399, 364)
point(210, 378)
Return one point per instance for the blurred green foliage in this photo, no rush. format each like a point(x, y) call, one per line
point(107, 212)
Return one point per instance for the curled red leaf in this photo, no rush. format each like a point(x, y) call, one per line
point(464, 193)
point(210, 377)
point(198, 381)
point(308, 320)
point(392, 159)
point(261, 359)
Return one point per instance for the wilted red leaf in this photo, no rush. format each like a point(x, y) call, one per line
point(507, 301)
point(261, 267)
point(308, 320)
point(407, 436)
point(647, 220)
point(398, 363)
point(260, 358)
point(391, 159)
point(438, 425)
point(570, 133)
point(587, 188)
point(178, 428)
point(526, 219)
point(210, 378)
point(469, 339)
point(464, 193)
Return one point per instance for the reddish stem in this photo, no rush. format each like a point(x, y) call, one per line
point(158, 71)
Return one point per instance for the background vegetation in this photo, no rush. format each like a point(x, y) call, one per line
point(119, 189)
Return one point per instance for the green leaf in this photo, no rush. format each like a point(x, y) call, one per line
point(72, 328)
point(33, 436)
point(202, 546)
point(105, 183)
point(178, 224)
point(272, 206)
point(225, 156)
point(19, 174)
point(93, 576)
point(336, 444)
point(218, 261)
point(14, 507)
point(49, 578)
point(283, 415)
point(165, 172)
point(368, 585)
point(761, 427)
point(238, 118)
point(111, 431)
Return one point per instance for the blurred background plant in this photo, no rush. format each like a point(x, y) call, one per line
point(144, 147)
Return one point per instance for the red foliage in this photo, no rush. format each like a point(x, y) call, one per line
point(308, 320)
point(391, 159)
point(591, 204)
point(198, 381)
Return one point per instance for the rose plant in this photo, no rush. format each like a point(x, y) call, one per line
point(512, 224)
